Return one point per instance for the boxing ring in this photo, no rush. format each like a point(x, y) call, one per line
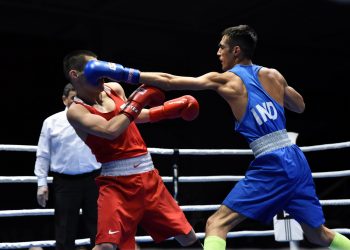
point(175, 180)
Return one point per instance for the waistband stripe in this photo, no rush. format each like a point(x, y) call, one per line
point(270, 142)
point(135, 165)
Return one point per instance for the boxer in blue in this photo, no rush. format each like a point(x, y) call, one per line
point(279, 178)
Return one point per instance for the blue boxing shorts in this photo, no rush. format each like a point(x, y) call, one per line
point(276, 181)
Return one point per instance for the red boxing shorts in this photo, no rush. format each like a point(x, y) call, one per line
point(126, 201)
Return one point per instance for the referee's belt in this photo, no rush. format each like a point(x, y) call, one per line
point(76, 176)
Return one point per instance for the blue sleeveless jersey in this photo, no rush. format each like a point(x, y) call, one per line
point(263, 114)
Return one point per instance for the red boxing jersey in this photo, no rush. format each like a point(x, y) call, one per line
point(128, 144)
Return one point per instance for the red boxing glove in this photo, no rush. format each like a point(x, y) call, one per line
point(141, 97)
point(185, 107)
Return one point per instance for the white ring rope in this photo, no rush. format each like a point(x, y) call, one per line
point(213, 178)
point(162, 151)
point(21, 148)
point(186, 208)
point(50, 243)
point(238, 234)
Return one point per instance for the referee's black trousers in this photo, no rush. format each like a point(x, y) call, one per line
point(71, 193)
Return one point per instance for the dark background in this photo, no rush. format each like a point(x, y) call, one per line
point(307, 41)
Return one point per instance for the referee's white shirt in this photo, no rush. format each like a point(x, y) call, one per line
point(61, 150)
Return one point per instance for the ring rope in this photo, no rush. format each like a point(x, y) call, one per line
point(139, 239)
point(217, 178)
point(163, 151)
point(51, 243)
point(185, 208)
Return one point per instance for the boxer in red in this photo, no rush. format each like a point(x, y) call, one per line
point(131, 192)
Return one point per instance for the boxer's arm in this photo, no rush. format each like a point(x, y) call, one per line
point(81, 119)
point(117, 88)
point(293, 101)
point(143, 96)
point(143, 116)
point(95, 70)
point(209, 81)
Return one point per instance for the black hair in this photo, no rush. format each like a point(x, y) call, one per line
point(243, 36)
point(76, 60)
point(68, 88)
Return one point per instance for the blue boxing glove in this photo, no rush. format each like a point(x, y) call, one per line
point(95, 70)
